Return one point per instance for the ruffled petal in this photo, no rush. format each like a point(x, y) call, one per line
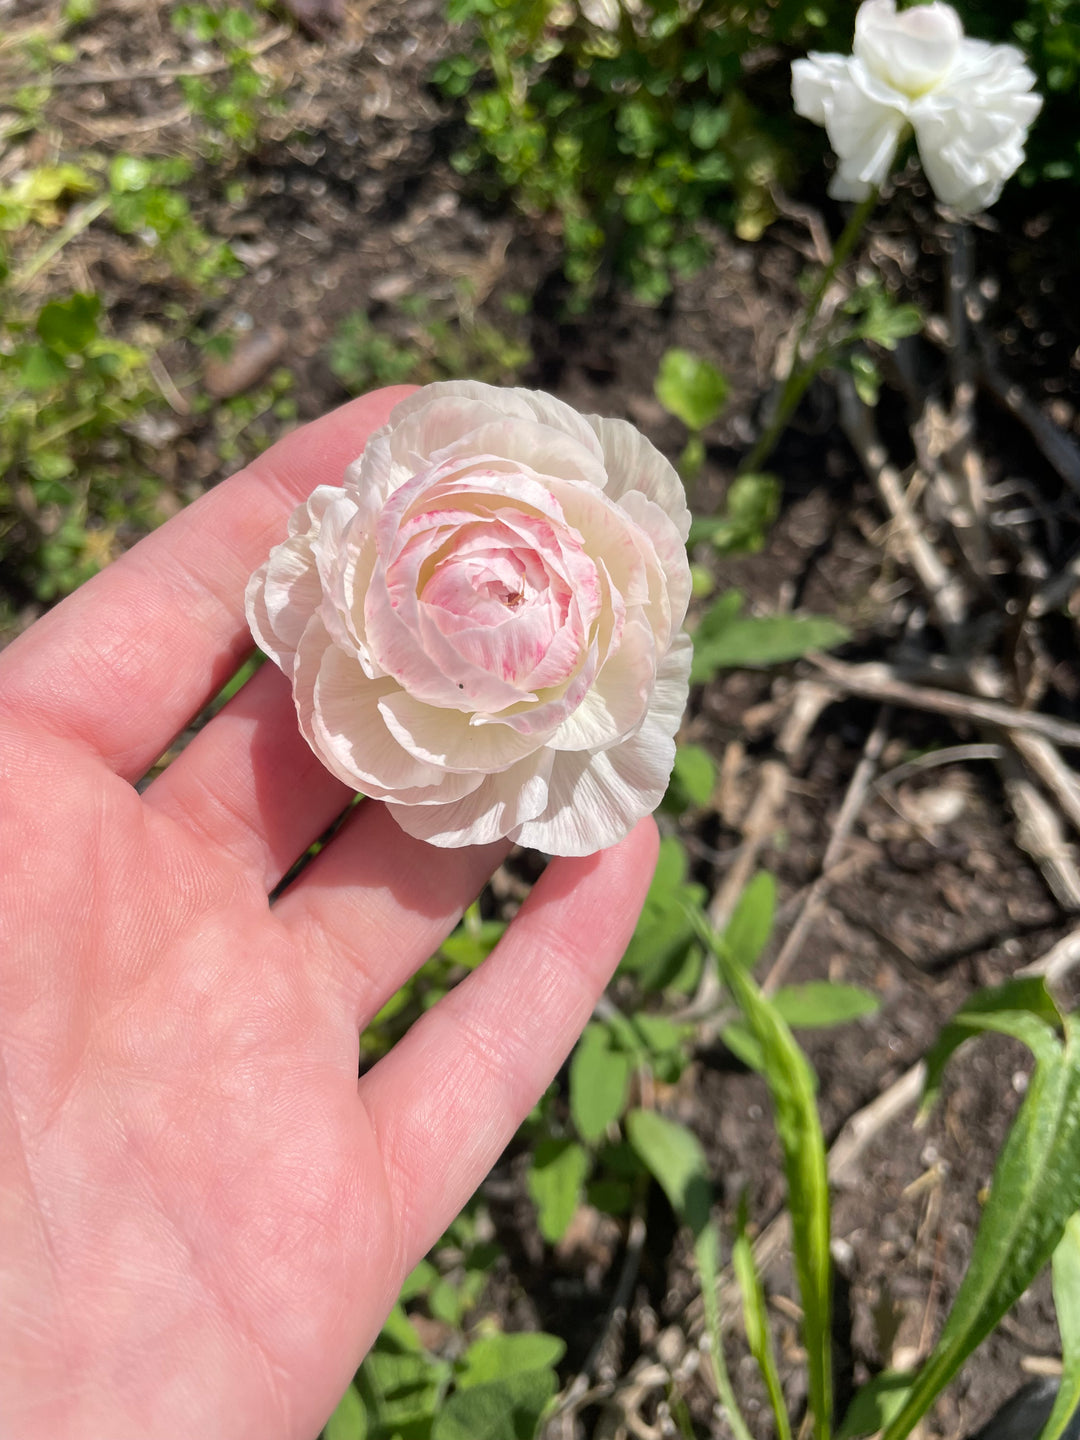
point(971, 134)
point(634, 464)
point(450, 740)
point(495, 809)
point(595, 800)
point(284, 593)
point(913, 51)
point(619, 696)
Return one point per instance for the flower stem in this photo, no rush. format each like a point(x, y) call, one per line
point(799, 373)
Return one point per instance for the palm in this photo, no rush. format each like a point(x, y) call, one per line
point(204, 1218)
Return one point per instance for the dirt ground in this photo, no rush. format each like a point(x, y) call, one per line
point(932, 896)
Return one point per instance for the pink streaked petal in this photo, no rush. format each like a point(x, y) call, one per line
point(634, 464)
point(351, 737)
point(619, 697)
point(663, 551)
point(448, 739)
point(495, 808)
point(511, 650)
point(606, 536)
point(550, 708)
point(410, 648)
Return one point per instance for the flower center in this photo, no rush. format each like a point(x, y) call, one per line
point(911, 52)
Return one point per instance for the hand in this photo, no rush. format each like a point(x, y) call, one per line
point(204, 1218)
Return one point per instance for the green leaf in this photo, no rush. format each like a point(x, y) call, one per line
point(1066, 1274)
point(791, 1086)
point(750, 926)
point(349, 1420)
point(762, 640)
point(690, 388)
point(664, 936)
point(820, 1003)
point(756, 1320)
point(1034, 1193)
point(673, 1156)
point(495, 1357)
point(508, 1409)
point(692, 779)
point(866, 375)
point(41, 369)
point(69, 324)
point(556, 1176)
point(751, 505)
point(399, 1392)
point(1022, 1008)
point(875, 1404)
point(130, 172)
point(599, 1077)
point(743, 1046)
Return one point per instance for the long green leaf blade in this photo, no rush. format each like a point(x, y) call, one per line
point(1035, 1191)
point(798, 1126)
point(756, 1320)
point(1066, 1271)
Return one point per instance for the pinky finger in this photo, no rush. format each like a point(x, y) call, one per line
point(448, 1098)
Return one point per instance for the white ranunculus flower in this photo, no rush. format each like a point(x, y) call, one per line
point(969, 103)
point(483, 627)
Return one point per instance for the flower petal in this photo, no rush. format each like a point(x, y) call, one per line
point(595, 800)
point(634, 464)
point(499, 805)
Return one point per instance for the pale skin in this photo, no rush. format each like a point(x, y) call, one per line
point(204, 1218)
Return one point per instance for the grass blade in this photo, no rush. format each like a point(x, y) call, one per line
point(756, 1320)
point(798, 1126)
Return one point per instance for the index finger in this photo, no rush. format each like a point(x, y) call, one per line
point(125, 662)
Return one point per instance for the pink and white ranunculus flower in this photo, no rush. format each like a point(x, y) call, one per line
point(483, 627)
point(968, 102)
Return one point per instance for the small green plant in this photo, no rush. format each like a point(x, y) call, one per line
point(229, 105)
point(420, 342)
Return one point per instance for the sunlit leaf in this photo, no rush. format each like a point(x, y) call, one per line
point(599, 1077)
point(756, 1320)
point(820, 1003)
point(690, 388)
point(1066, 1277)
point(751, 924)
point(1034, 1193)
point(555, 1178)
point(791, 1086)
point(495, 1357)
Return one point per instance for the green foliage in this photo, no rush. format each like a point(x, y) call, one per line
point(424, 344)
point(726, 638)
point(673, 1156)
point(229, 104)
point(756, 1321)
point(599, 1078)
point(635, 137)
point(751, 505)
point(791, 1086)
point(693, 780)
point(556, 1177)
point(692, 389)
point(664, 951)
point(820, 1003)
point(1035, 1189)
point(1066, 1281)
